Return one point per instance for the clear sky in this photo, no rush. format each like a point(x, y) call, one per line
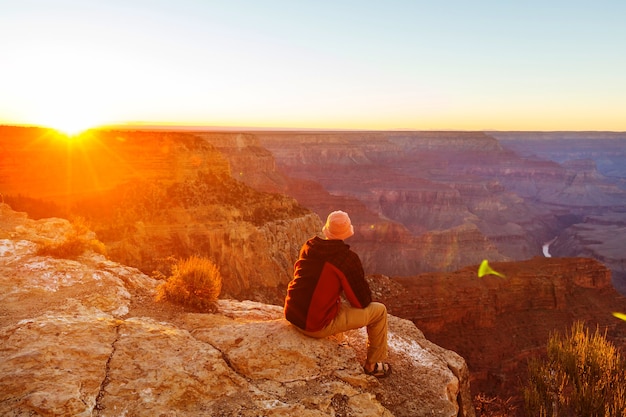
point(385, 64)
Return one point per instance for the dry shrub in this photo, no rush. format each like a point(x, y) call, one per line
point(583, 375)
point(195, 282)
point(494, 406)
point(79, 240)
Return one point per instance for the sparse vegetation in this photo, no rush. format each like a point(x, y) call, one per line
point(79, 240)
point(195, 282)
point(487, 406)
point(253, 206)
point(583, 375)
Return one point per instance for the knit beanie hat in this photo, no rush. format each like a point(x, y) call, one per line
point(338, 226)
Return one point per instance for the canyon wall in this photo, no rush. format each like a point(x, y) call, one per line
point(83, 336)
point(256, 261)
point(497, 323)
point(594, 164)
point(420, 201)
point(43, 164)
point(154, 196)
point(481, 199)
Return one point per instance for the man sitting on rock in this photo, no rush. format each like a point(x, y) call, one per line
point(325, 269)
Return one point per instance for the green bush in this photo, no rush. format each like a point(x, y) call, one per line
point(195, 282)
point(583, 375)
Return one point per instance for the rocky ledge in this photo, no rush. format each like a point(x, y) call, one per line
point(83, 337)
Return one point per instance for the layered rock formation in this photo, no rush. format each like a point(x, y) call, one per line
point(497, 323)
point(597, 237)
point(409, 184)
point(249, 161)
point(440, 185)
point(594, 168)
point(83, 337)
point(606, 149)
point(421, 201)
point(43, 164)
point(151, 196)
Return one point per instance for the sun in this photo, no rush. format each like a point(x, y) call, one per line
point(71, 123)
point(71, 130)
point(68, 114)
point(71, 127)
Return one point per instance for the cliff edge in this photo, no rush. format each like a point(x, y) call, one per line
point(84, 337)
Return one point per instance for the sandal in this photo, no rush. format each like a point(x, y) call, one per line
point(381, 370)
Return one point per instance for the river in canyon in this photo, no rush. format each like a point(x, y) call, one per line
point(546, 248)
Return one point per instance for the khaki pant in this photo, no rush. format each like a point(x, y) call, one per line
point(374, 316)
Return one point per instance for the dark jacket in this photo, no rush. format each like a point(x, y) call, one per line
point(324, 269)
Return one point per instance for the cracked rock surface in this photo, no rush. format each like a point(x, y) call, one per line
point(84, 337)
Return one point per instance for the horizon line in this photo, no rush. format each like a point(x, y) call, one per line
point(211, 128)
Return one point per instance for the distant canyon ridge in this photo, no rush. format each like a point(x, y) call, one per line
point(420, 201)
point(438, 201)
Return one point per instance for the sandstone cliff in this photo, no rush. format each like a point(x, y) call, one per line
point(151, 196)
point(497, 202)
point(420, 201)
point(391, 212)
point(497, 323)
point(414, 196)
point(42, 164)
point(594, 164)
point(83, 337)
point(249, 161)
point(597, 237)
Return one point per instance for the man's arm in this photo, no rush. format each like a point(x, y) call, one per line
point(355, 287)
